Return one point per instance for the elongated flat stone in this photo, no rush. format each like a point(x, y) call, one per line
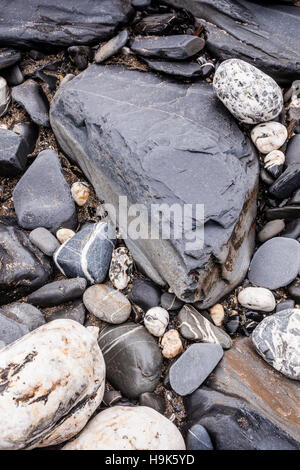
point(58, 292)
point(178, 47)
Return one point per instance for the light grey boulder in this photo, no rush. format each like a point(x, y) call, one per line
point(161, 150)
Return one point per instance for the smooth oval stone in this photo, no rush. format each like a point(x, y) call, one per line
point(64, 234)
point(156, 321)
point(276, 339)
point(275, 264)
point(287, 183)
point(294, 291)
point(107, 303)
point(58, 292)
point(257, 298)
point(198, 438)
point(194, 366)
point(249, 94)
point(285, 305)
point(112, 47)
point(128, 428)
point(293, 150)
point(171, 344)
point(271, 229)
point(269, 136)
point(4, 97)
point(133, 358)
point(74, 310)
point(170, 301)
point(44, 240)
point(24, 313)
point(52, 381)
point(176, 47)
point(145, 294)
point(217, 314)
point(152, 400)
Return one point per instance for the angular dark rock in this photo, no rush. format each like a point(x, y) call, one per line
point(132, 357)
point(153, 401)
point(23, 267)
point(175, 47)
point(58, 292)
point(179, 69)
point(145, 294)
point(156, 24)
point(31, 96)
point(42, 197)
point(170, 302)
point(15, 145)
point(71, 311)
point(50, 23)
point(258, 418)
point(288, 212)
point(80, 56)
point(287, 183)
point(294, 291)
point(198, 167)
point(13, 75)
point(8, 57)
point(292, 229)
point(252, 32)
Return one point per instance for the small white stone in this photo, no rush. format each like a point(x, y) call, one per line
point(269, 136)
point(156, 321)
point(217, 314)
point(64, 234)
point(80, 192)
point(271, 229)
point(121, 268)
point(257, 298)
point(172, 344)
point(128, 428)
point(4, 96)
point(274, 158)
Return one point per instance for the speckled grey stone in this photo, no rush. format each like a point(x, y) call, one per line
point(277, 340)
point(249, 94)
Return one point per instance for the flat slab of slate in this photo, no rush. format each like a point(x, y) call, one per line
point(158, 141)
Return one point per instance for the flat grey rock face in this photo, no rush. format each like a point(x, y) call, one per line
point(277, 340)
point(178, 47)
point(138, 135)
point(253, 32)
point(193, 367)
point(42, 197)
point(276, 263)
point(49, 22)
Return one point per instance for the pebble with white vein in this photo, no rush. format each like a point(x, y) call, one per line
point(156, 321)
point(269, 136)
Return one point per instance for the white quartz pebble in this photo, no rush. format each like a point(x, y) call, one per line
point(64, 234)
point(80, 193)
point(156, 321)
point(257, 298)
point(269, 136)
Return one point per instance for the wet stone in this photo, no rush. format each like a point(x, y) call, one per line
point(177, 47)
point(107, 303)
point(44, 240)
point(31, 97)
point(58, 292)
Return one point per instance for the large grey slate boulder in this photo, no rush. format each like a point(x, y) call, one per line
point(266, 35)
point(157, 141)
point(51, 22)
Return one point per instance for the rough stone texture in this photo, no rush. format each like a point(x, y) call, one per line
point(23, 313)
point(138, 135)
point(275, 264)
point(126, 428)
point(177, 47)
point(42, 197)
point(252, 32)
point(23, 267)
point(277, 340)
point(107, 303)
point(49, 393)
point(31, 96)
point(265, 413)
point(50, 23)
point(58, 292)
point(133, 359)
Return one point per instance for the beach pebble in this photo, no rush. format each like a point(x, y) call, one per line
point(271, 229)
point(285, 305)
point(276, 339)
point(293, 150)
point(295, 98)
point(257, 298)
point(217, 314)
point(145, 294)
point(67, 78)
point(273, 163)
point(287, 183)
point(170, 301)
point(80, 193)
point(44, 240)
point(128, 428)
point(269, 136)
point(249, 94)
point(74, 310)
point(11, 330)
point(31, 97)
point(112, 47)
point(156, 321)
point(121, 268)
point(197, 438)
point(171, 344)
point(107, 303)
point(294, 291)
point(58, 292)
point(152, 400)
point(4, 97)
point(64, 234)
point(24, 313)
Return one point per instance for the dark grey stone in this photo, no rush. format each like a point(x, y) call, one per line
point(44, 240)
point(13, 75)
point(197, 438)
point(195, 327)
point(177, 47)
point(42, 197)
point(198, 166)
point(232, 324)
point(80, 56)
point(31, 97)
point(29, 133)
point(140, 3)
point(287, 183)
point(111, 397)
point(88, 253)
point(152, 400)
point(156, 24)
point(288, 212)
point(194, 366)
point(132, 357)
point(11, 330)
point(23, 267)
point(179, 69)
point(292, 229)
point(145, 294)
point(295, 198)
point(285, 305)
point(170, 301)
point(256, 316)
point(275, 264)
point(293, 150)
point(8, 57)
point(72, 311)
point(112, 47)
point(15, 146)
point(50, 23)
point(252, 32)
point(294, 291)
point(24, 313)
point(58, 292)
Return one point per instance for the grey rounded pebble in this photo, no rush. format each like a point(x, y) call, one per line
point(58, 292)
point(44, 240)
point(275, 264)
point(11, 330)
point(198, 438)
point(271, 229)
point(285, 305)
point(112, 47)
point(107, 303)
point(170, 301)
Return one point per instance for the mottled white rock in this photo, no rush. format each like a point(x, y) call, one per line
point(277, 340)
point(128, 428)
point(271, 229)
point(4, 96)
point(107, 303)
point(217, 314)
point(121, 268)
point(156, 321)
point(80, 193)
point(64, 234)
point(249, 94)
point(51, 381)
point(257, 298)
point(171, 344)
point(269, 136)
point(274, 158)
